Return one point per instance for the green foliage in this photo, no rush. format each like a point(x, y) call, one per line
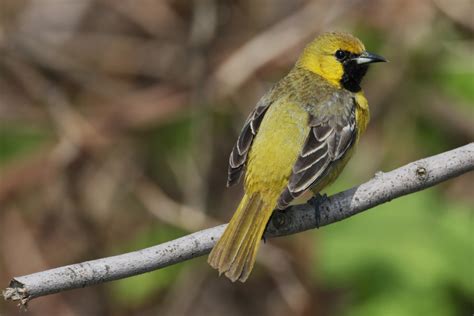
point(18, 140)
point(173, 138)
point(460, 84)
point(428, 136)
point(406, 257)
point(456, 77)
point(373, 39)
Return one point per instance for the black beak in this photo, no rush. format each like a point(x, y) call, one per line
point(368, 58)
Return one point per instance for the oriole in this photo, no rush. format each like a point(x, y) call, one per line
point(300, 136)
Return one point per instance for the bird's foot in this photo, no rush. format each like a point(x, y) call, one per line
point(316, 202)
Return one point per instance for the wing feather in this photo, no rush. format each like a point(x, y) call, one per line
point(238, 156)
point(328, 141)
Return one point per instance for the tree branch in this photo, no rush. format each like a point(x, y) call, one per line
point(382, 188)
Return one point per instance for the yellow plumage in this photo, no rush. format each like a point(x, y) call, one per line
point(300, 136)
point(275, 148)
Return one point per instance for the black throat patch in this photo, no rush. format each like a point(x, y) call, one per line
point(353, 74)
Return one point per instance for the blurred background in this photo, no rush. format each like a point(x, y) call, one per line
point(117, 119)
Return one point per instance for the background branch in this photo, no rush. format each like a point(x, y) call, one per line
point(383, 187)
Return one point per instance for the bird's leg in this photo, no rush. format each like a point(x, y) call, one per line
point(316, 202)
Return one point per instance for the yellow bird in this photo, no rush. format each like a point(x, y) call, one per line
point(300, 136)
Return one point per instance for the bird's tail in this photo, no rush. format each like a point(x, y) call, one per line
point(235, 252)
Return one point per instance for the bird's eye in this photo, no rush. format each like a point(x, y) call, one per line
point(340, 54)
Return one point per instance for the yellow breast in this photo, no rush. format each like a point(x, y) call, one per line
point(362, 113)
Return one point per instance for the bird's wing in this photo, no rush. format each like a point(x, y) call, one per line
point(238, 156)
point(329, 139)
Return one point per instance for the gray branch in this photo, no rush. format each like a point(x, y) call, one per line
point(382, 188)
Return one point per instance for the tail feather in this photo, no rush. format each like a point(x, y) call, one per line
point(219, 251)
point(235, 252)
point(252, 256)
point(238, 235)
point(243, 255)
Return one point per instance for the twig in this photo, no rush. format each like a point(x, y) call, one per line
point(383, 187)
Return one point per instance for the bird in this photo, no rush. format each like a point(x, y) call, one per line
point(299, 137)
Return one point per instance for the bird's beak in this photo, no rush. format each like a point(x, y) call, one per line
point(368, 58)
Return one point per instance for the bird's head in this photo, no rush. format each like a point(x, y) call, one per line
point(340, 58)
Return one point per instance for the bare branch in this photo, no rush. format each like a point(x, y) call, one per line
point(382, 188)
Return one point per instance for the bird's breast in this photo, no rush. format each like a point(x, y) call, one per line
point(362, 113)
